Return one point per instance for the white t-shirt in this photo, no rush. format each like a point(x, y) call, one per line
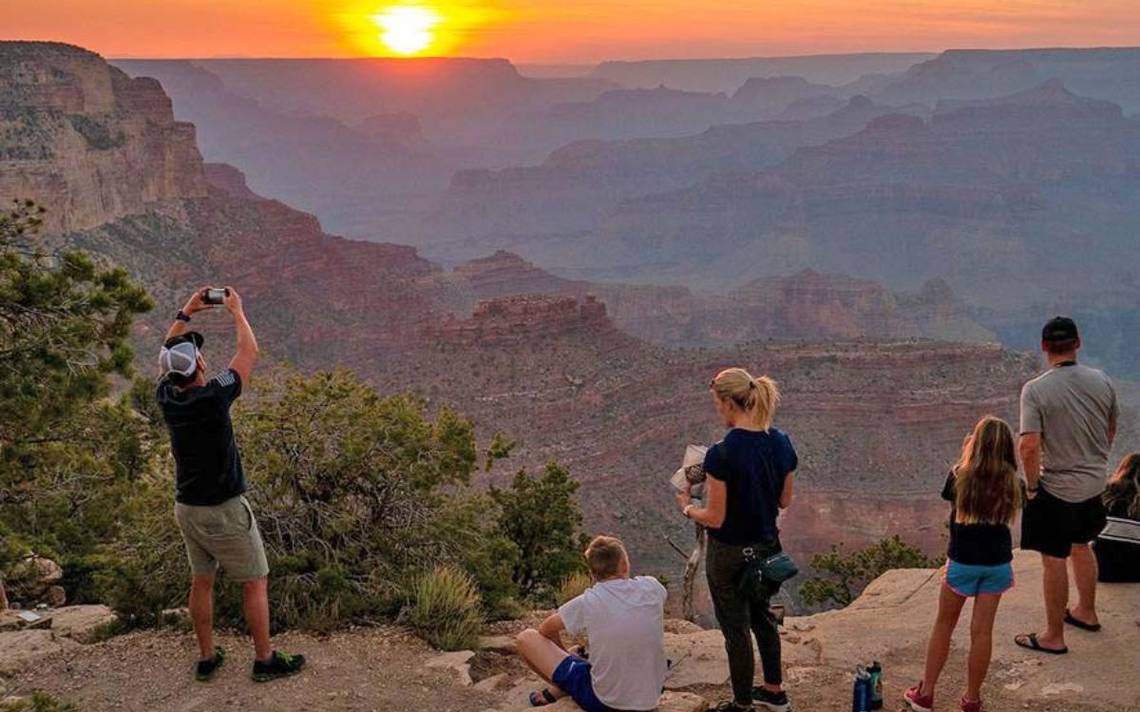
point(624, 621)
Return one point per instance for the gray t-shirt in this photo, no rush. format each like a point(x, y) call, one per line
point(624, 620)
point(1072, 407)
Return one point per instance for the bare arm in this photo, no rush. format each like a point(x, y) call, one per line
point(786, 494)
point(193, 305)
point(713, 513)
point(1029, 447)
point(552, 628)
point(246, 356)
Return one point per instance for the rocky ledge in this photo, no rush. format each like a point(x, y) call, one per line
point(385, 669)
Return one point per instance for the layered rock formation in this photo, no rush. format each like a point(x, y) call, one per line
point(807, 305)
point(581, 183)
point(728, 74)
point(869, 417)
point(521, 318)
point(86, 140)
point(1104, 73)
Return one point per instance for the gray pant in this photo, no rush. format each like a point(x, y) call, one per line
point(224, 535)
point(741, 616)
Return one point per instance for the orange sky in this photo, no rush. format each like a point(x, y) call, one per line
point(571, 30)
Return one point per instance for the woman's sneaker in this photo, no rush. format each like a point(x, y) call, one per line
point(775, 701)
point(970, 706)
point(278, 665)
point(207, 668)
point(918, 701)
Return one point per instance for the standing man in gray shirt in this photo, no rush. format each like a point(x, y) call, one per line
point(1068, 422)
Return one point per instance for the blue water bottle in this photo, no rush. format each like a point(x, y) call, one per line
point(876, 673)
point(861, 699)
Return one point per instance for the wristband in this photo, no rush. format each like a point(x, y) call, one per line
point(687, 509)
point(182, 316)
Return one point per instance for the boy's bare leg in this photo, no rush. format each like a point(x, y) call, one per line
point(542, 655)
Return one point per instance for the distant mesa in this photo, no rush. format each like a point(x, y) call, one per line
point(520, 318)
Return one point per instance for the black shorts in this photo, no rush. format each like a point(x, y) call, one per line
point(1051, 525)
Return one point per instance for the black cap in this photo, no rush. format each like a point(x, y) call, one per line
point(1060, 328)
point(192, 337)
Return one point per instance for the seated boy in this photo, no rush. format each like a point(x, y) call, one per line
point(623, 619)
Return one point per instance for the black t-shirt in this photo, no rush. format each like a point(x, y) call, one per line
point(753, 466)
point(206, 456)
point(976, 544)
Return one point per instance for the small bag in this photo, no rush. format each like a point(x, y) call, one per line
point(778, 568)
point(762, 577)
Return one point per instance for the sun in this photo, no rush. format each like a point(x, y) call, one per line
point(407, 29)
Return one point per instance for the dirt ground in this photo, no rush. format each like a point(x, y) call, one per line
point(383, 670)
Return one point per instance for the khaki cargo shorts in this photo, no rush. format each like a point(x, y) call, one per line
point(224, 535)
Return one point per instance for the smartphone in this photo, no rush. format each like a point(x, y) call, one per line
point(215, 295)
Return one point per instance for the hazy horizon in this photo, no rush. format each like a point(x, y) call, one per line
point(530, 32)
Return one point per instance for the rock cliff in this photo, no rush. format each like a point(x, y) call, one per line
point(85, 139)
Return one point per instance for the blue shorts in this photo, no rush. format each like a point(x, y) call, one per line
point(968, 580)
point(573, 677)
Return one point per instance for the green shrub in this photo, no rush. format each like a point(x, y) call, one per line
point(573, 586)
point(445, 609)
point(845, 575)
point(540, 515)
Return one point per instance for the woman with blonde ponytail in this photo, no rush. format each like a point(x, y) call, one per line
point(749, 480)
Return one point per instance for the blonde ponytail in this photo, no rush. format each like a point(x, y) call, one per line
point(757, 396)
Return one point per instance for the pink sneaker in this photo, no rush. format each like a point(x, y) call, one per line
point(970, 706)
point(918, 701)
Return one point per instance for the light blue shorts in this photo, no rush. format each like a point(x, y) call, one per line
point(967, 580)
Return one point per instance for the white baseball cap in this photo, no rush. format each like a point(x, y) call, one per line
point(179, 355)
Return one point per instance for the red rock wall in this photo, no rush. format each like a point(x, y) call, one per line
point(87, 142)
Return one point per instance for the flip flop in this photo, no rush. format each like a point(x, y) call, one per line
point(1090, 627)
point(542, 698)
point(1029, 642)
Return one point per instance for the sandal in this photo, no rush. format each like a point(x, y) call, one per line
point(1090, 627)
point(1029, 642)
point(542, 698)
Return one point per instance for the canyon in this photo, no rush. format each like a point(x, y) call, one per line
point(608, 379)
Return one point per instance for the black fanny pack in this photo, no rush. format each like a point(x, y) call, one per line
point(763, 575)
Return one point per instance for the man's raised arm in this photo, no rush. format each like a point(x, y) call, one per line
point(246, 356)
point(193, 305)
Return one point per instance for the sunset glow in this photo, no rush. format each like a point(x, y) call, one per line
point(557, 32)
point(407, 29)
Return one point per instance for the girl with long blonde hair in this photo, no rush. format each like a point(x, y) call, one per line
point(986, 494)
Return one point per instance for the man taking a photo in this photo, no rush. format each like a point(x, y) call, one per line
point(217, 524)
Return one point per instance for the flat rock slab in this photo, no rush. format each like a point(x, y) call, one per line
point(459, 661)
point(82, 623)
point(498, 643)
point(698, 659)
point(891, 622)
point(20, 648)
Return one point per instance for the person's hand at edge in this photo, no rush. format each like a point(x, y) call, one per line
point(196, 302)
point(232, 301)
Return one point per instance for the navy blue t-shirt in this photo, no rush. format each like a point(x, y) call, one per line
point(206, 458)
point(753, 466)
